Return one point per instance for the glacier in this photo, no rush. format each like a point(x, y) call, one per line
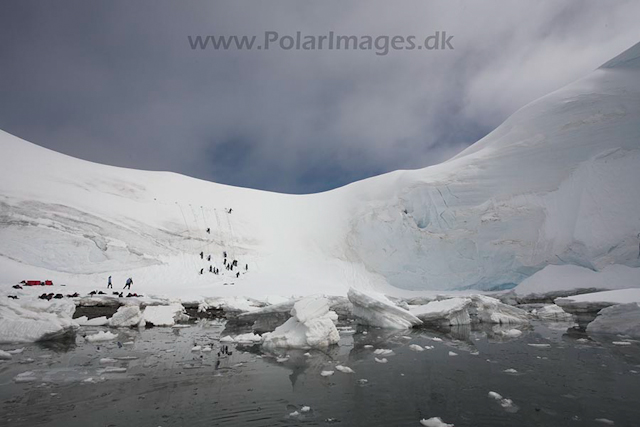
point(554, 185)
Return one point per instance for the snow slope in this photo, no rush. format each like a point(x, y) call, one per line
point(556, 183)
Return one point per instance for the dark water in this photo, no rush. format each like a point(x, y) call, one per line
point(571, 383)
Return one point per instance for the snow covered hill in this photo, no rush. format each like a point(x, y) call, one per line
point(556, 183)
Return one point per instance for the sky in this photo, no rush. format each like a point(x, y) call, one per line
point(118, 83)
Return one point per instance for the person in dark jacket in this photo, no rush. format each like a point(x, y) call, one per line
point(109, 285)
point(128, 283)
point(201, 255)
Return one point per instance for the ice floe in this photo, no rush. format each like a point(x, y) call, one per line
point(96, 321)
point(30, 321)
point(101, 336)
point(345, 369)
point(491, 310)
point(375, 309)
point(452, 311)
point(552, 313)
point(127, 316)
point(311, 325)
point(434, 422)
point(164, 315)
point(620, 319)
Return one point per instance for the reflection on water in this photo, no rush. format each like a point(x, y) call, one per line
point(552, 376)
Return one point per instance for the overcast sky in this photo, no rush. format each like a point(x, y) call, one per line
point(117, 82)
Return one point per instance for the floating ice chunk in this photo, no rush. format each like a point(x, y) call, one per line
point(282, 359)
point(553, 313)
point(377, 310)
point(383, 360)
point(604, 421)
point(383, 352)
point(434, 422)
point(16, 350)
point(107, 360)
point(511, 333)
point(294, 414)
point(164, 315)
point(539, 345)
point(96, 321)
point(196, 348)
point(621, 319)
point(326, 373)
point(345, 369)
point(621, 343)
point(310, 308)
point(111, 370)
point(307, 354)
point(490, 310)
point(452, 311)
point(510, 371)
point(248, 338)
point(234, 304)
point(436, 339)
point(305, 409)
point(5, 355)
point(451, 353)
point(30, 320)
point(101, 336)
point(363, 381)
point(127, 316)
point(227, 338)
point(25, 377)
point(506, 403)
point(429, 347)
point(416, 347)
point(368, 346)
point(206, 349)
point(312, 325)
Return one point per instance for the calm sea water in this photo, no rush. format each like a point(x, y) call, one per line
point(574, 381)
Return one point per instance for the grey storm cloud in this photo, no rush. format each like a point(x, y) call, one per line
point(118, 83)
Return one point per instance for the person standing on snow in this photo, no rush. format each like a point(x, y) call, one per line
point(109, 285)
point(128, 284)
